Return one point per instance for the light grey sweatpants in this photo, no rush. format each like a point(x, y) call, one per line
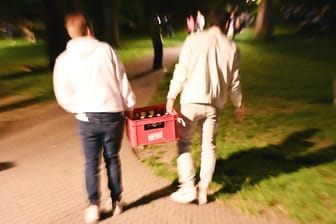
point(190, 116)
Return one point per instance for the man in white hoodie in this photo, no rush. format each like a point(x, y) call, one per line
point(206, 75)
point(90, 82)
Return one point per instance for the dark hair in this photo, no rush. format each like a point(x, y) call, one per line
point(219, 17)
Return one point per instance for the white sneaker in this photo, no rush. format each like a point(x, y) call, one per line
point(184, 195)
point(202, 196)
point(117, 208)
point(91, 214)
point(113, 207)
point(106, 207)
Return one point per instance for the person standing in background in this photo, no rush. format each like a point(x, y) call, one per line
point(206, 75)
point(90, 82)
point(156, 36)
point(334, 91)
point(234, 25)
point(167, 25)
point(200, 21)
point(190, 24)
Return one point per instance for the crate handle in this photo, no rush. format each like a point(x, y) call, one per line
point(154, 125)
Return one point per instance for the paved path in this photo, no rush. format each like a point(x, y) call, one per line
point(41, 173)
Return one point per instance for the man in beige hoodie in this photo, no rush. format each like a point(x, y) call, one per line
point(206, 75)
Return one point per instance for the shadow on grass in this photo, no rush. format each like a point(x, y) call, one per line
point(19, 104)
point(28, 71)
point(252, 166)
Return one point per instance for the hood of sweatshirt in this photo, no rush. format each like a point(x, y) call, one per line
point(82, 47)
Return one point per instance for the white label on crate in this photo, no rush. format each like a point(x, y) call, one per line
point(155, 136)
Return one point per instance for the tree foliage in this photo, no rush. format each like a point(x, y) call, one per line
point(112, 18)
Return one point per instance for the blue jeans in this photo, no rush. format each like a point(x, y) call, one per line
point(102, 133)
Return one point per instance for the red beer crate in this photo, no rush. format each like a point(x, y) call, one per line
point(151, 125)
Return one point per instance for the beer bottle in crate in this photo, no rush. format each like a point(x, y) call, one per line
point(163, 112)
point(143, 115)
point(150, 113)
point(136, 115)
point(157, 112)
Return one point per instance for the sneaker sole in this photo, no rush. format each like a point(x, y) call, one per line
point(183, 201)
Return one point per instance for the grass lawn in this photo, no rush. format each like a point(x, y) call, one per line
point(24, 79)
point(283, 156)
point(24, 75)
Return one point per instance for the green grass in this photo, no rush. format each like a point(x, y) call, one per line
point(283, 156)
point(26, 79)
point(24, 76)
point(21, 56)
point(136, 48)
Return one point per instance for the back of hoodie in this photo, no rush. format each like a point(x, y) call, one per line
point(207, 71)
point(89, 77)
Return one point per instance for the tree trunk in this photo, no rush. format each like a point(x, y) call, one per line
point(264, 22)
point(55, 32)
point(104, 15)
point(112, 24)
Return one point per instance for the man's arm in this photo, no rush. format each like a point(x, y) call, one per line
point(179, 76)
point(239, 113)
point(235, 91)
point(63, 89)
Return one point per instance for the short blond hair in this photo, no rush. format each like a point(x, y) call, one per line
point(76, 25)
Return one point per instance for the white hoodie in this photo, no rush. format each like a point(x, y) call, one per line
point(89, 77)
point(207, 71)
